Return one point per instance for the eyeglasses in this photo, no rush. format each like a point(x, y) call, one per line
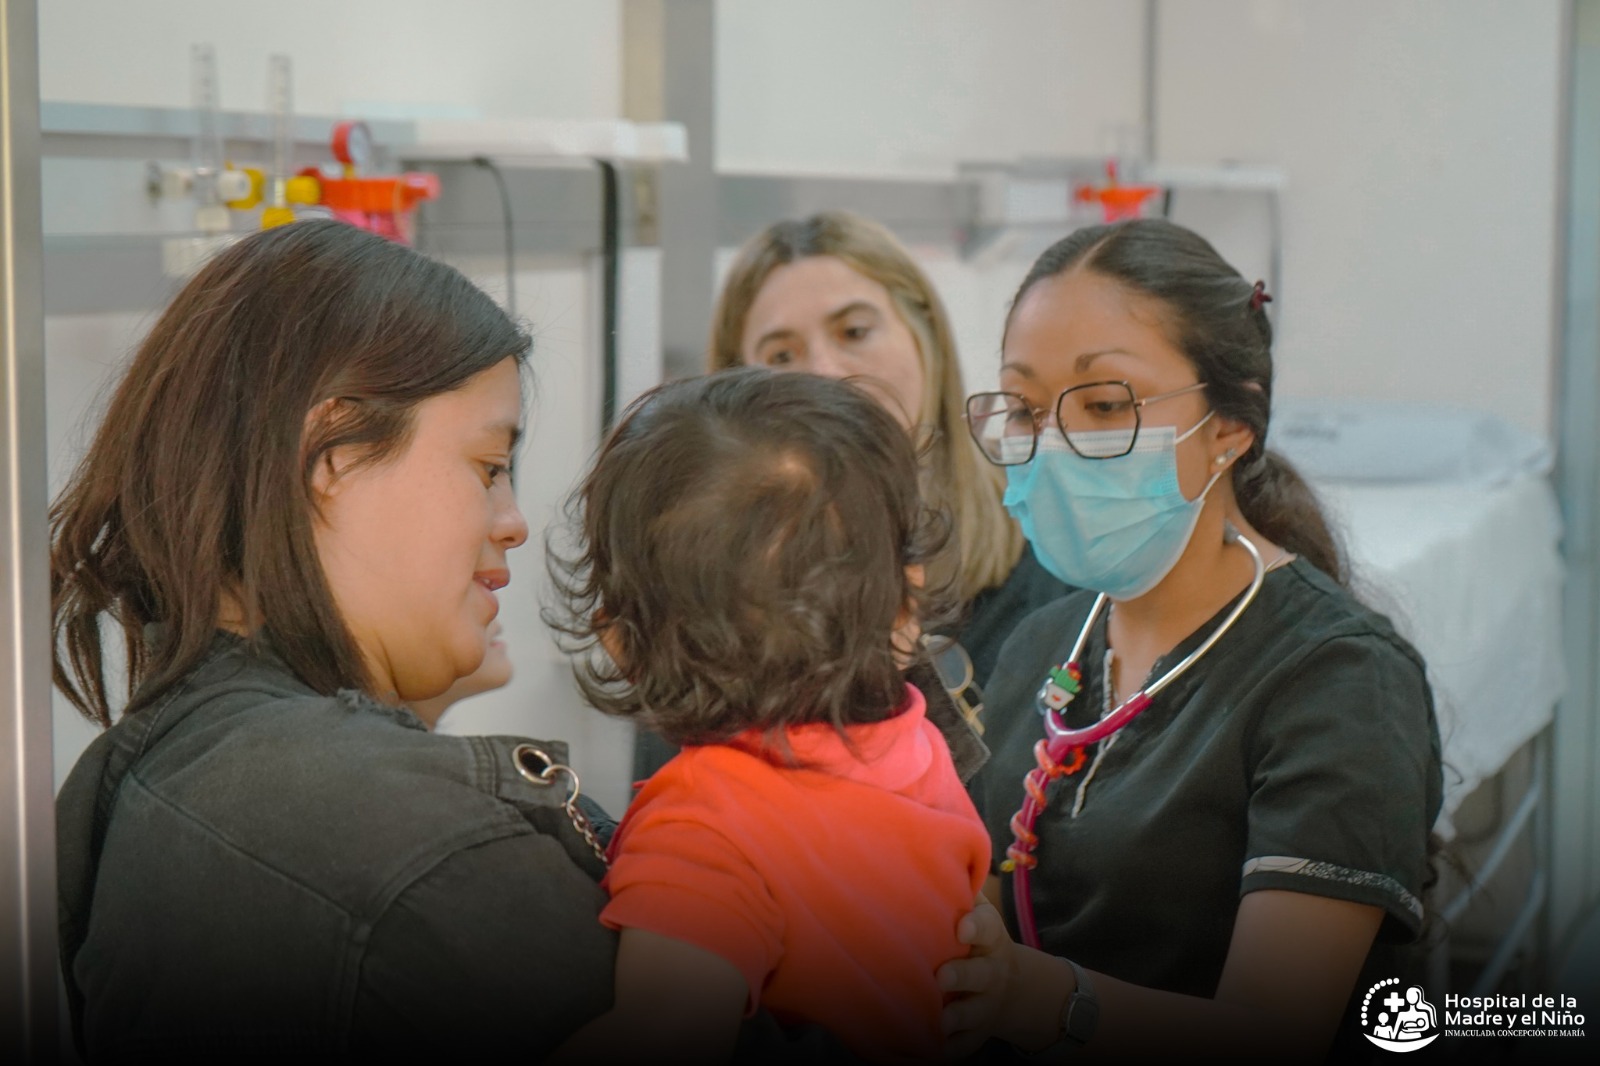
point(954, 667)
point(1099, 421)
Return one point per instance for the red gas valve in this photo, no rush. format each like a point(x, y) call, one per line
point(383, 205)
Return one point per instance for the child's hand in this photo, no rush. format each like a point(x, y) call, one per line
point(978, 985)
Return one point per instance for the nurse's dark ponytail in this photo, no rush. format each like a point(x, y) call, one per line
point(1217, 319)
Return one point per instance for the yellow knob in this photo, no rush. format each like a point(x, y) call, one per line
point(253, 180)
point(303, 189)
point(276, 216)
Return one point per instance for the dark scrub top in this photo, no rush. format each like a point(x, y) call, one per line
point(1300, 753)
point(982, 631)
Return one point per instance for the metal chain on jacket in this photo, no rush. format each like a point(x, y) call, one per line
point(522, 757)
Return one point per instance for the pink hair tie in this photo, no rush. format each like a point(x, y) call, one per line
point(1258, 296)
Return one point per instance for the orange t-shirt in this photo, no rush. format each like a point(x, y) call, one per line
point(835, 887)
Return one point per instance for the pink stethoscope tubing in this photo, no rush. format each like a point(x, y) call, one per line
point(1059, 741)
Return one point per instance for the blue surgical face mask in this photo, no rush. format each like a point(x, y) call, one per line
point(1117, 526)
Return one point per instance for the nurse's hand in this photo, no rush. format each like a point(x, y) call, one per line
point(977, 987)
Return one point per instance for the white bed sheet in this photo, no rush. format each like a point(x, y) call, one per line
point(1472, 576)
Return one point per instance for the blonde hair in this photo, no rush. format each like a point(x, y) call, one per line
point(955, 475)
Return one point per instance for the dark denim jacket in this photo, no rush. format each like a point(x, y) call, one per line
point(249, 868)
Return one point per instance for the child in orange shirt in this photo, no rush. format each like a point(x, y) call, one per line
point(751, 557)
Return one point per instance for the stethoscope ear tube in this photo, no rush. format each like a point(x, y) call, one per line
point(1061, 742)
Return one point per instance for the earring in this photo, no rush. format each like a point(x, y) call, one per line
point(1226, 457)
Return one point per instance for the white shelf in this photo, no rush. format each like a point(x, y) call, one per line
point(529, 142)
point(510, 141)
point(1215, 178)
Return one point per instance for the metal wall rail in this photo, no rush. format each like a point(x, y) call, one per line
point(27, 838)
point(1575, 773)
point(935, 210)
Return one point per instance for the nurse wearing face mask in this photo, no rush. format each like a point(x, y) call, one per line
point(1247, 853)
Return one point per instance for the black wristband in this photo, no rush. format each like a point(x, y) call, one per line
point(1082, 1011)
point(1079, 1016)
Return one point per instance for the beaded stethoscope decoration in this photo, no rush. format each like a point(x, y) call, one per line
point(1061, 752)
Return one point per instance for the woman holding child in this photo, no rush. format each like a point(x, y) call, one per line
point(295, 514)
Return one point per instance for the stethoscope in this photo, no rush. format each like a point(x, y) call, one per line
point(1061, 751)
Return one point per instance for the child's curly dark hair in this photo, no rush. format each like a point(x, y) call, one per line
point(741, 552)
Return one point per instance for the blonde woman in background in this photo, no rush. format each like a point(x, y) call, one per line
point(836, 294)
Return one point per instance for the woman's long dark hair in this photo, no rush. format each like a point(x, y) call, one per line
point(197, 488)
point(1208, 309)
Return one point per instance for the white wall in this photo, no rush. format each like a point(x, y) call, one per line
point(1419, 139)
point(894, 88)
point(498, 58)
point(1421, 145)
point(912, 86)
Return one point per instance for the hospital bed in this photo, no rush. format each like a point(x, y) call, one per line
point(1453, 530)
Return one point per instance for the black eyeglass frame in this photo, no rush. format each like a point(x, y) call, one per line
point(1038, 417)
